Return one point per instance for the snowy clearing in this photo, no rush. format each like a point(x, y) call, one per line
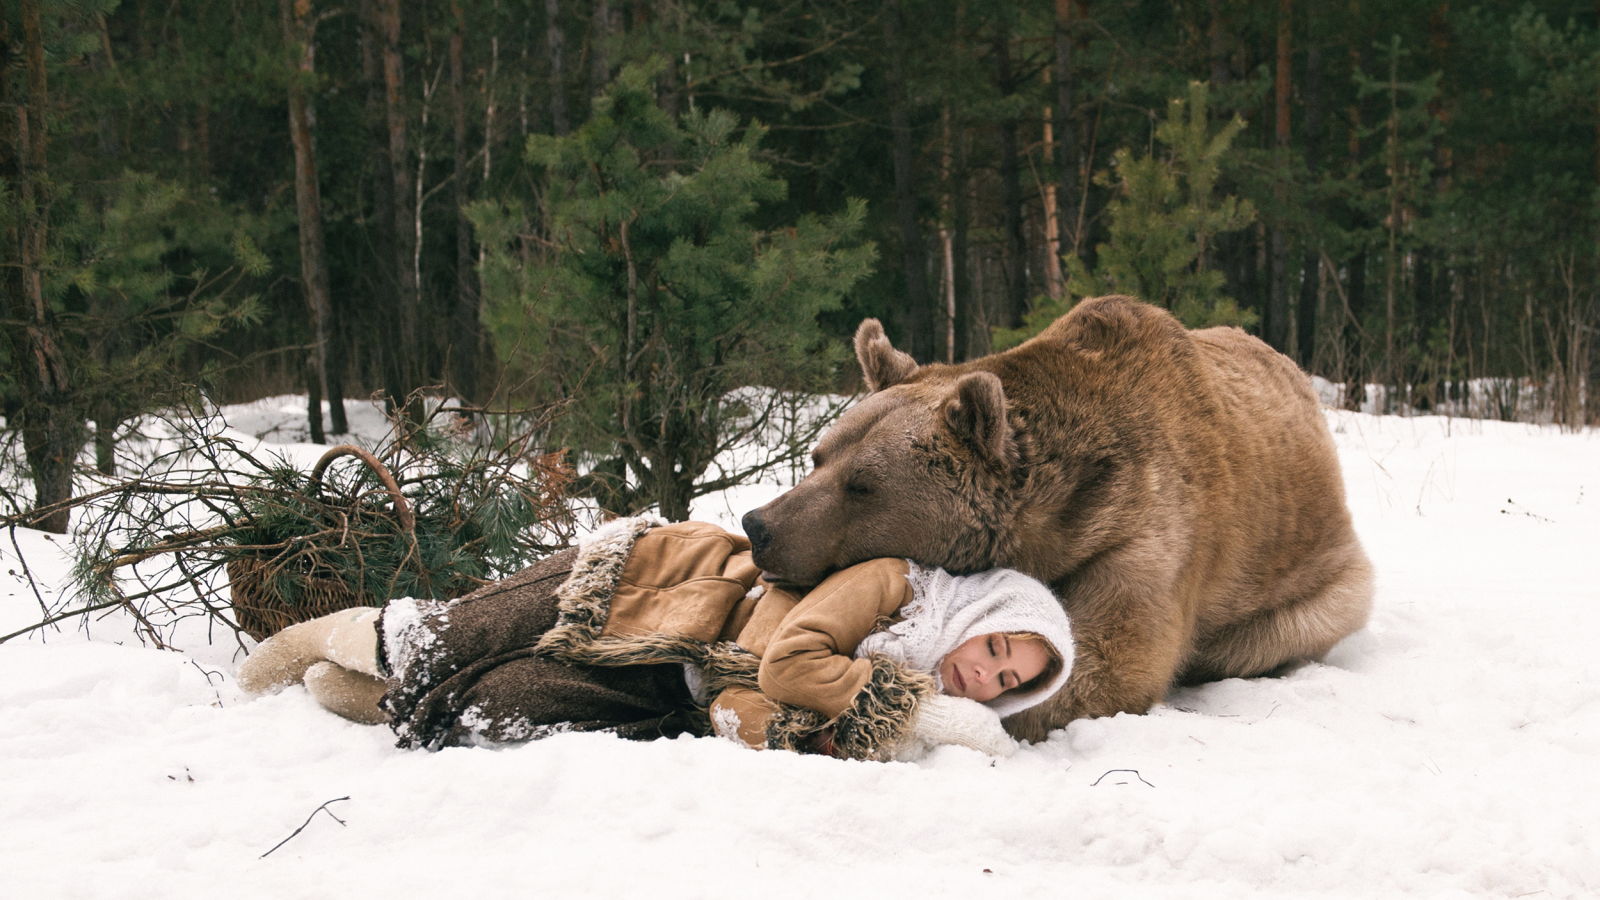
point(1449, 750)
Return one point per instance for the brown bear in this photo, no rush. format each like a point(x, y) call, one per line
point(1179, 490)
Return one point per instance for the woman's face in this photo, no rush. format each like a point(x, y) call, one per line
point(988, 665)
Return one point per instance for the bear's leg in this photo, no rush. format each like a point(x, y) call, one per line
point(1330, 603)
point(1112, 671)
point(1129, 638)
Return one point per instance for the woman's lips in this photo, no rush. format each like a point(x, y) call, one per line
point(961, 683)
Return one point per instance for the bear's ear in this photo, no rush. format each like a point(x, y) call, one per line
point(881, 364)
point(976, 412)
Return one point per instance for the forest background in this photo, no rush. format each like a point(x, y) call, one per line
point(627, 211)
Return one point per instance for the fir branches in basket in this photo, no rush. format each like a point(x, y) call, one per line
point(428, 513)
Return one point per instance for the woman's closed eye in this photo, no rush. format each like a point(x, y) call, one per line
point(999, 651)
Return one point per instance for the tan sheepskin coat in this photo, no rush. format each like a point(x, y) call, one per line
point(778, 667)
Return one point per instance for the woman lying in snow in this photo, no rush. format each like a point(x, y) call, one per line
point(653, 630)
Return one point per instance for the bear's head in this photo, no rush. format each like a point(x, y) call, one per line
point(920, 469)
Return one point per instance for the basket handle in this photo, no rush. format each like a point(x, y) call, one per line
point(408, 521)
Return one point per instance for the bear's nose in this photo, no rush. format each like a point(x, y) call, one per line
point(760, 537)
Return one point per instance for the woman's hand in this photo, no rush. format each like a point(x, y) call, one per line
point(942, 719)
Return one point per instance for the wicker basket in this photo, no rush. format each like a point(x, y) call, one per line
point(261, 613)
point(259, 609)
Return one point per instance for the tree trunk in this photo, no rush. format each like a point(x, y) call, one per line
point(299, 33)
point(52, 432)
point(947, 271)
point(1592, 417)
point(483, 342)
point(338, 423)
point(1066, 135)
point(960, 251)
point(599, 31)
point(1016, 249)
point(386, 285)
point(669, 98)
point(1311, 258)
point(913, 255)
point(522, 84)
point(464, 346)
point(556, 40)
point(314, 400)
point(1428, 273)
point(105, 440)
point(11, 291)
point(409, 352)
point(1391, 261)
point(1052, 213)
point(1355, 352)
point(673, 490)
point(106, 411)
point(1218, 36)
point(1276, 321)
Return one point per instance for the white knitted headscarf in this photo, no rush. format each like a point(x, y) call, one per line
point(948, 610)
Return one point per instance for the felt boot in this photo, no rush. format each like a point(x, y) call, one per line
point(350, 694)
point(348, 637)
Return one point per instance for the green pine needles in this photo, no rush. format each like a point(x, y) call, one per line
point(649, 294)
point(1164, 224)
point(427, 514)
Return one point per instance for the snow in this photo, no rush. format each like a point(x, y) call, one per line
point(1448, 750)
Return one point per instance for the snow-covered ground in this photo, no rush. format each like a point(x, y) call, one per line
point(1449, 750)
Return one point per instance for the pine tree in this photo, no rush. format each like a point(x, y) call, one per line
point(1408, 133)
point(1164, 220)
point(118, 274)
point(653, 295)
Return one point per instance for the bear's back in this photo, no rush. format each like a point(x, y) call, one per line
point(1209, 437)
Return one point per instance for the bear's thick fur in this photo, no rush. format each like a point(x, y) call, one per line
point(1178, 490)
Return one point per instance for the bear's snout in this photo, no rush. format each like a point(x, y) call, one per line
point(756, 531)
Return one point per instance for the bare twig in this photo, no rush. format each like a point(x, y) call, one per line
point(208, 673)
point(322, 808)
point(1135, 774)
point(33, 583)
